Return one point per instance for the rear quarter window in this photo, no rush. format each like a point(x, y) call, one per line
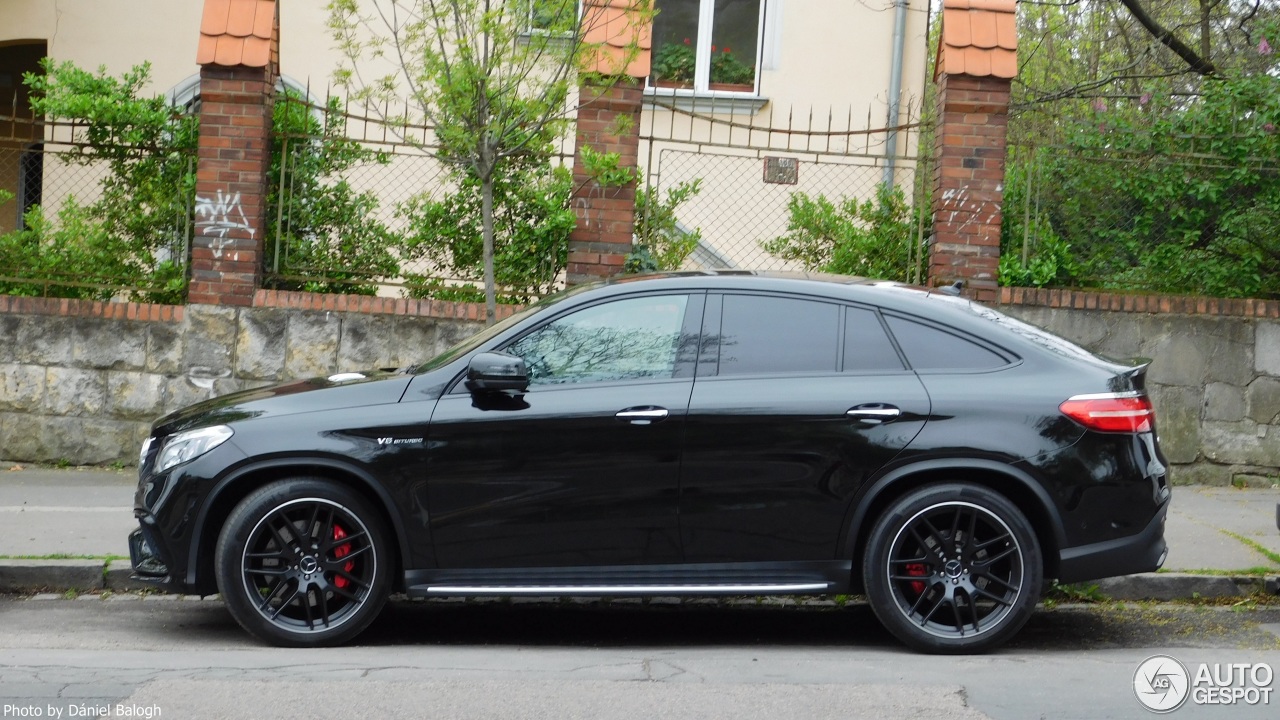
point(931, 348)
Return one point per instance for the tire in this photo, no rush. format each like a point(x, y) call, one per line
point(303, 562)
point(953, 568)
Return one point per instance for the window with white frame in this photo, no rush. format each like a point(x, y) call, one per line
point(707, 45)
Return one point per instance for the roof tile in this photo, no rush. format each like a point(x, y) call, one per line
point(979, 38)
point(982, 29)
point(205, 51)
point(214, 20)
point(237, 32)
point(264, 21)
point(229, 52)
point(256, 52)
point(240, 19)
point(1007, 31)
point(1004, 64)
point(612, 28)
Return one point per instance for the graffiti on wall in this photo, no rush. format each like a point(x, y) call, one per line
point(217, 216)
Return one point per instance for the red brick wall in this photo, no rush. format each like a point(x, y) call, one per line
point(969, 152)
point(1125, 302)
point(234, 156)
point(377, 305)
point(606, 215)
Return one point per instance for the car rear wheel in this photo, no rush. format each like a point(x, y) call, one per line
point(953, 568)
point(303, 563)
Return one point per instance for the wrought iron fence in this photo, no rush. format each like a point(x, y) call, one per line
point(749, 170)
point(62, 233)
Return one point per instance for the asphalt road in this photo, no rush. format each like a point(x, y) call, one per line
point(125, 656)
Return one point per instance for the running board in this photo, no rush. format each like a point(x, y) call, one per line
point(561, 590)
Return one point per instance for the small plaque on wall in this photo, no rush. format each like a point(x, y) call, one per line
point(781, 170)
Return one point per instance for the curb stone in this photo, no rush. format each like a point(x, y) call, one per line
point(50, 577)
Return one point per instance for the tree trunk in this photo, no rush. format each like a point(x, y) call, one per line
point(486, 221)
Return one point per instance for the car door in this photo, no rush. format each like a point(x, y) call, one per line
point(583, 469)
point(797, 401)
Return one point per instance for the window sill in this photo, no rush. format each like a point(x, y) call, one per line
point(712, 102)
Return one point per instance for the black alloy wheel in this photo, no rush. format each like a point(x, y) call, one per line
point(303, 563)
point(953, 568)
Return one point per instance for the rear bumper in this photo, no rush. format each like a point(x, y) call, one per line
point(1144, 552)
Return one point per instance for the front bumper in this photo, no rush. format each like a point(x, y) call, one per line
point(149, 564)
point(1144, 552)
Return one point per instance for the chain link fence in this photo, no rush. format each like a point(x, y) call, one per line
point(749, 171)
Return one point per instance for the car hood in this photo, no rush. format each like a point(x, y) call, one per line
point(334, 392)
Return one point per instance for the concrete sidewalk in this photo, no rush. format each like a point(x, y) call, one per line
point(53, 516)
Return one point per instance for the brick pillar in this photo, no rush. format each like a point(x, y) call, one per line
point(968, 183)
point(237, 86)
point(606, 215)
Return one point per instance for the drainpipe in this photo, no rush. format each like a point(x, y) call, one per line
point(895, 88)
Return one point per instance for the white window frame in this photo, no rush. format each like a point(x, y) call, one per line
point(738, 101)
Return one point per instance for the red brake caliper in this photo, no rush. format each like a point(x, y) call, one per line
point(340, 552)
point(914, 570)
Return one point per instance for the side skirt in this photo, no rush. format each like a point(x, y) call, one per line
point(685, 579)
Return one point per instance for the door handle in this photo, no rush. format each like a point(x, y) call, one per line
point(874, 413)
point(642, 415)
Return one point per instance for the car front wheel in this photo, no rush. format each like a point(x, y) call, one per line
point(953, 568)
point(303, 563)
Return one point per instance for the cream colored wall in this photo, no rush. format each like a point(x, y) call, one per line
point(114, 33)
point(830, 70)
point(831, 55)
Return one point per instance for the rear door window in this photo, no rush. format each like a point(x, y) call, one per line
point(765, 334)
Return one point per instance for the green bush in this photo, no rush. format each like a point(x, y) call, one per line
point(532, 222)
point(870, 238)
point(660, 243)
point(135, 236)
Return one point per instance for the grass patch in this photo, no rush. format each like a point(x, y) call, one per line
point(1258, 571)
point(1255, 545)
point(64, 556)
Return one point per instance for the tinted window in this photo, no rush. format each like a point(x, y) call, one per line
point(761, 334)
point(621, 340)
point(928, 348)
point(866, 346)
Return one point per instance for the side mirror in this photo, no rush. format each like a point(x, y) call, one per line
point(496, 371)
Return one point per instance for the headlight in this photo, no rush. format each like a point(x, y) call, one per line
point(190, 445)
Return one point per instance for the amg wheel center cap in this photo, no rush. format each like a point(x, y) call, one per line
point(952, 568)
point(308, 565)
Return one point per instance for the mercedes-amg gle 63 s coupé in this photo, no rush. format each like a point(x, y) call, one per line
point(679, 434)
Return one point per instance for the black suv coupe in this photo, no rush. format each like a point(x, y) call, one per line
point(679, 434)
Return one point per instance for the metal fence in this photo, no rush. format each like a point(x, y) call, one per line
point(63, 235)
point(348, 189)
point(749, 167)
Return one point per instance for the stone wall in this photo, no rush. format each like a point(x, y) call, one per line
point(1214, 379)
point(81, 381)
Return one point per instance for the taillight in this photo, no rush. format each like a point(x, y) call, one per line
point(1128, 412)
